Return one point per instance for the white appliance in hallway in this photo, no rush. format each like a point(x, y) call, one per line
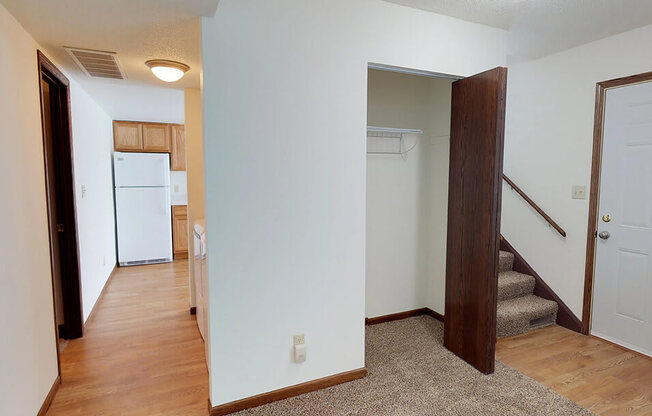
point(143, 209)
point(201, 277)
point(622, 311)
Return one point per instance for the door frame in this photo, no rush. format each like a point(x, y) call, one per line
point(594, 198)
point(73, 326)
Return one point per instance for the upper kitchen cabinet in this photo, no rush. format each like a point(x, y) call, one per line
point(139, 136)
point(156, 137)
point(178, 156)
point(128, 136)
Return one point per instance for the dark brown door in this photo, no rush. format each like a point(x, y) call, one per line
point(51, 190)
point(474, 197)
point(57, 153)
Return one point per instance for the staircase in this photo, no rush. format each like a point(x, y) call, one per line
point(519, 310)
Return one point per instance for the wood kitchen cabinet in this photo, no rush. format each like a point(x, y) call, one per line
point(138, 136)
point(156, 137)
point(178, 154)
point(180, 231)
point(128, 136)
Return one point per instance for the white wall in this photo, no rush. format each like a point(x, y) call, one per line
point(407, 200)
point(124, 100)
point(28, 349)
point(548, 148)
point(92, 132)
point(26, 312)
point(284, 129)
point(179, 187)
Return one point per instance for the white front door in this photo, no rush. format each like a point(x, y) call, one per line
point(622, 300)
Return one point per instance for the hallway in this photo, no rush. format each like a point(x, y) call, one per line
point(141, 353)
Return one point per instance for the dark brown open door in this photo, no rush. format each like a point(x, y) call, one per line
point(60, 193)
point(474, 198)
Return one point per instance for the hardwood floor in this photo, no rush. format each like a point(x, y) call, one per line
point(141, 353)
point(603, 377)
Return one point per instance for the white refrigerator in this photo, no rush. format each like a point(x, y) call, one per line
point(143, 210)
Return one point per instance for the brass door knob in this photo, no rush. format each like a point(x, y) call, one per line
point(606, 218)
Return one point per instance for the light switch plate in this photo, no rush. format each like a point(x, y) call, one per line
point(578, 192)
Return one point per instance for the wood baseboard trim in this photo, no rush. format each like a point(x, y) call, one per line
point(434, 314)
point(181, 255)
point(193, 310)
point(284, 393)
point(403, 315)
point(99, 298)
point(394, 316)
point(565, 317)
point(48, 399)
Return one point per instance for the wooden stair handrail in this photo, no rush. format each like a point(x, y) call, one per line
point(535, 206)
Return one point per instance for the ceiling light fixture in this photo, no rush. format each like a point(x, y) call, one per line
point(168, 71)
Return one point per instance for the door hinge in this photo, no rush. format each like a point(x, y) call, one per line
point(59, 228)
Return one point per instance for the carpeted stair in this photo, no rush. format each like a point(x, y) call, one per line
point(518, 309)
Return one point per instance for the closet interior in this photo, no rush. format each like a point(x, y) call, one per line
point(408, 118)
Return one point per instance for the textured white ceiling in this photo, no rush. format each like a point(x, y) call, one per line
point(137, 30)
point(541, 27)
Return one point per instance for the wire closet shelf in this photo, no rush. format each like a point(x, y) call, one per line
point(389, 141)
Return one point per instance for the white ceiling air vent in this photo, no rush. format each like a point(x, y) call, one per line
point(97, 63)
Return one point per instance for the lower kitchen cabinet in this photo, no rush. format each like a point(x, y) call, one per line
point(180, 231)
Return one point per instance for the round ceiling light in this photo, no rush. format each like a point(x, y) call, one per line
point(168, 71)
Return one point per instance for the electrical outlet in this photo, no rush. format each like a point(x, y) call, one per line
point(299, 349)
point(299, 353)
point(578, 192)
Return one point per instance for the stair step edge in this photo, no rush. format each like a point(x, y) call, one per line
point(532, 306)
point(513, 284)
point(505, 261)
point(512, 274)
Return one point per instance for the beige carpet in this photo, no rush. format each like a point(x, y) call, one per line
point(412, 374)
